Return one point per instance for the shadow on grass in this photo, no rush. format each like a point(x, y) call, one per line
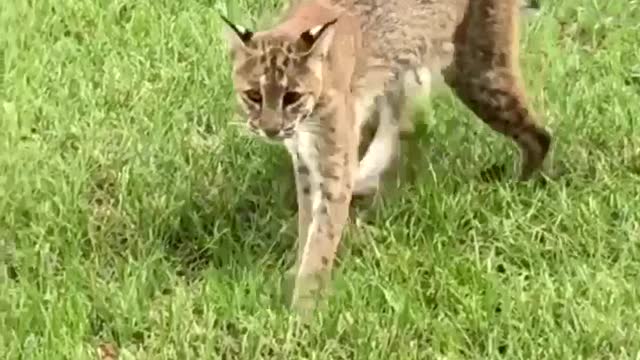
point(237, 228)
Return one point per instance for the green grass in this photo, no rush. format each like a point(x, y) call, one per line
point(132, 213)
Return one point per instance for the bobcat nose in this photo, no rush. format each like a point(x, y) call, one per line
point(271, 132)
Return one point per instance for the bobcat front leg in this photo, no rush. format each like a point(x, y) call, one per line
point(303, 191)
point(329, 164)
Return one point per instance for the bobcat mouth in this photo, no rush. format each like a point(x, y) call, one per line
point(280, 134)
point(277, 134)
point(289, 131)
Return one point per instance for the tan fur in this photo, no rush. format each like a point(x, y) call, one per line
point(359, 64)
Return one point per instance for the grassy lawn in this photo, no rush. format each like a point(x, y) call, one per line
point(132, 213)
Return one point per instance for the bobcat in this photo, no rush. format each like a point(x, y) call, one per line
point(315, 79)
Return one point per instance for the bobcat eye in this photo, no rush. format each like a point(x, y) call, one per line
point(290, 98)
point(254, 95)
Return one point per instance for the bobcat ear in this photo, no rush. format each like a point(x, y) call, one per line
point(236, 35)
point(317, 40)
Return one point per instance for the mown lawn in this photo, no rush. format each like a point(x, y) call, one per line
point(132, 212)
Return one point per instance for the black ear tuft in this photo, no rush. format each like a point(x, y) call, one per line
point(309, 37)
point(243, 34)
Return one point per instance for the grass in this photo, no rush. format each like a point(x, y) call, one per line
point(132, 214)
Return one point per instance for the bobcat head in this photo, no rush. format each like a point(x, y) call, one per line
point(278, 77)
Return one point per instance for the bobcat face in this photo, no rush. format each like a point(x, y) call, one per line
point(278, 81)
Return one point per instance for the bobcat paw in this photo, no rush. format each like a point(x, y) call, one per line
point(309, 293)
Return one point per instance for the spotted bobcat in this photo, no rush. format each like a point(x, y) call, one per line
point(314, 80)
